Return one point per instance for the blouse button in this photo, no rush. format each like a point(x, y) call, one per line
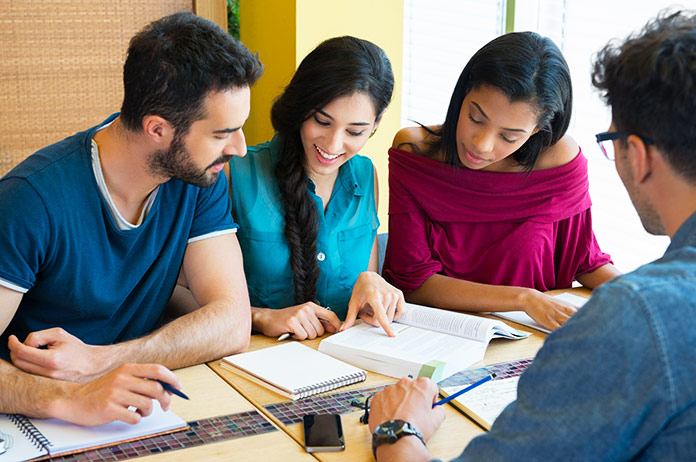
point(321, 256)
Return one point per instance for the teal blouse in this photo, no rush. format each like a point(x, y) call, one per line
point(346, 230)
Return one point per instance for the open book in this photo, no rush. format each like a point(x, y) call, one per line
point(520, 317)
point(22, 438)
point(485, 403)
point(293, 370)
point(429, 343)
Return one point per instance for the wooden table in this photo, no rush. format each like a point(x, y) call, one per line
point(212, 397)
point(454, 434)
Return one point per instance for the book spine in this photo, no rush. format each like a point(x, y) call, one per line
point(327, 385)
point(30, 431)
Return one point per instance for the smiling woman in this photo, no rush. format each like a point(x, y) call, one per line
point(306, 200)
point(491, 208)
point(332, 136)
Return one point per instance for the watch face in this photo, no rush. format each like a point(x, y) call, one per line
point(389, 431)
point(392, 426)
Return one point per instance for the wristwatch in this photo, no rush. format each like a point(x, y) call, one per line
point(390, 432)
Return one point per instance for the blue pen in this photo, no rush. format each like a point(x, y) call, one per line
point(464, 390)
point(171, 389)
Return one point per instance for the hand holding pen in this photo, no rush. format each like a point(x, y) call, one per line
point(464, 390)
point(328, 327)
point(171, 389)
point(303, 322)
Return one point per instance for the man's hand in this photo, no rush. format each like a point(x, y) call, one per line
point(109, 397)
point(375, 301)
point(409, 400)
point(57, 354)
point(305, 321)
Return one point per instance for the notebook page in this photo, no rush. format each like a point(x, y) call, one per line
point(14, 445)
point(68, 437)
point(292, 366)
point(486, 402)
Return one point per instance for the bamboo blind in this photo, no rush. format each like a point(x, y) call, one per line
point(61, 64)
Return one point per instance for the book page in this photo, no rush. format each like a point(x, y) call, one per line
point(68, 437)
point(14, 445)
point(459, 324)
point(421, 345)
point(486, 402)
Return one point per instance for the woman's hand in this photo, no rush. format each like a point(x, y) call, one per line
point(305, 321)
point(376, 302)
point(548, 311)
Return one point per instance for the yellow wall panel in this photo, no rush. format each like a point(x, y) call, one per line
point(267, 27)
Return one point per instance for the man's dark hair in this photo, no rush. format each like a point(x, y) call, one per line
point(174, 63)
point(650, 83)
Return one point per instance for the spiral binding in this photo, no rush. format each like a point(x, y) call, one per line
point(327, 385)
point(30, 431)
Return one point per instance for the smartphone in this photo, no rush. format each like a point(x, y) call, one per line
point(323, 433)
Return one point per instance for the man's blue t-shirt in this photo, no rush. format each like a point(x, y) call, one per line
point(78, 270)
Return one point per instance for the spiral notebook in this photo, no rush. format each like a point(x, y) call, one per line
point(293, 370)
point(22, 438)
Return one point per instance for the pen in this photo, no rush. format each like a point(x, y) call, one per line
point(171, 389)
point(464, 390)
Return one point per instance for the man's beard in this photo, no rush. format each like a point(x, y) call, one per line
point(649, 217)
point(176, 162)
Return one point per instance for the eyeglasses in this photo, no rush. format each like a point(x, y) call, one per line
point(605, 142)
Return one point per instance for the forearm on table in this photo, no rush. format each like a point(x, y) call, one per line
point(217, 329)
point(406, 449)
point(456, 294)
point(28, 394)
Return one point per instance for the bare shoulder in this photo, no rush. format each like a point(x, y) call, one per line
point(559, 154)
point(410, 137)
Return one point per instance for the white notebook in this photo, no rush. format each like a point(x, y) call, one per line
point(293, 370)
point(22, 438)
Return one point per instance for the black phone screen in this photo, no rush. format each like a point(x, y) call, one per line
point(323, 432)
